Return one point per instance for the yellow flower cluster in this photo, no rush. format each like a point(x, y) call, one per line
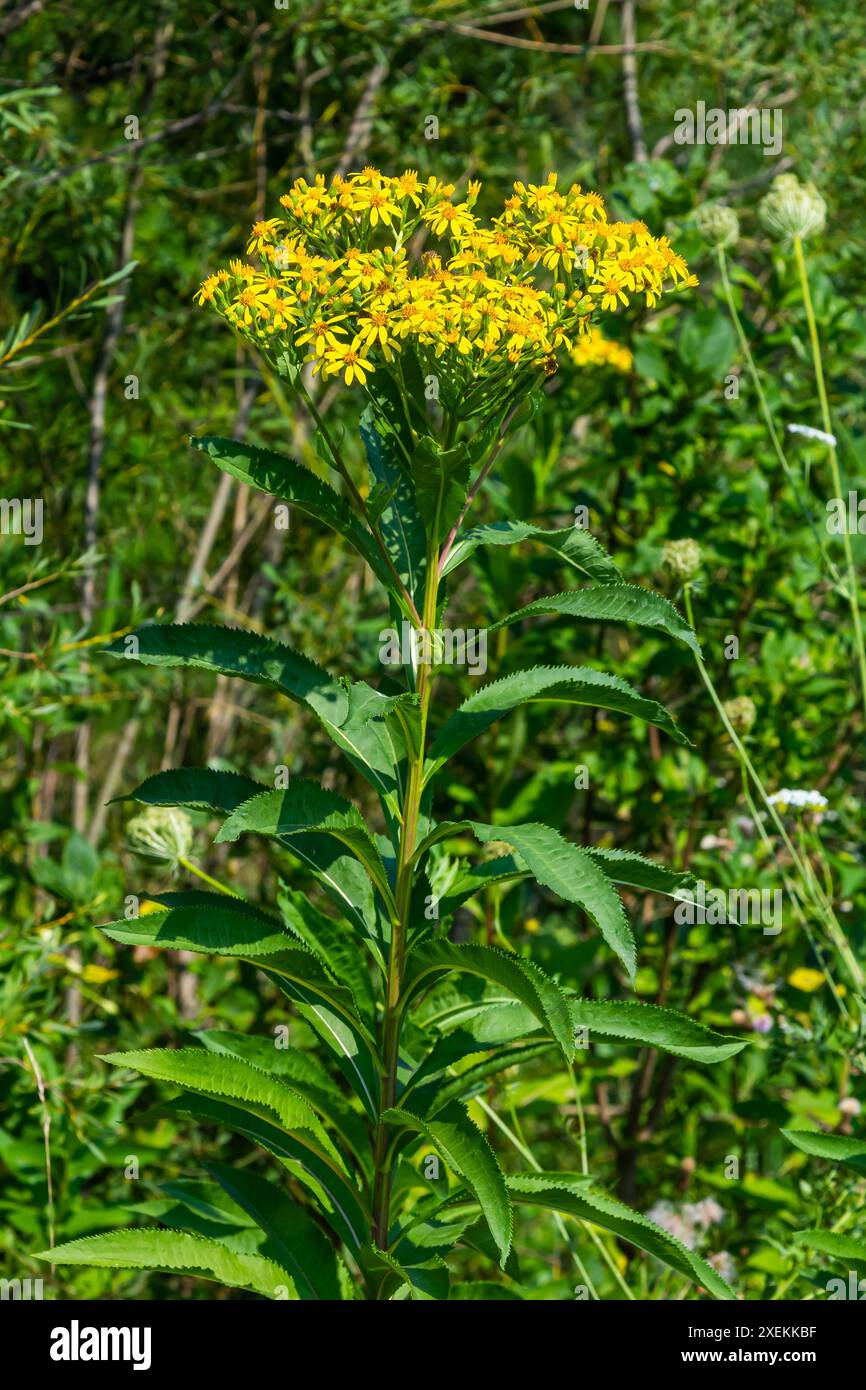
point(592, 349)
point(346, 280)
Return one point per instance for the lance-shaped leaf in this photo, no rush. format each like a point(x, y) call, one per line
point(356, 1056)
point(340, 1203)
point(634, 871)
point(234, 651)
point(199, 787)
point(303, 807)
point(574, 545)
point(836, 1148)
point(441, 478)
point(575, 1195)
point(521, 978)
point(611, 603)
point(400, 523)
point(468, 1154)
point(236, 1082)
point(573, 875)
point(282, 477)
point(352, 715)
point(305, 1074)
point(172, 1252)
point(654, 1026)
point(294, 1239)
point(338, 951)
point(219, 925)
point(838, 1247)
point(205, 922)
point(383, 1274)
point(565, 685)
point(434, 1096)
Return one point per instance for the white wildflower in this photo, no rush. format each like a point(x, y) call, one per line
point(704, 1214)
point(666, 1215)
point(809, 432)
point(723, 1264)
point(796, 799)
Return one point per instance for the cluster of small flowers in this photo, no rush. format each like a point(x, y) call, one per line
point(592, 349)
point(794, 799)
point(688, 1223)
point(337, 285)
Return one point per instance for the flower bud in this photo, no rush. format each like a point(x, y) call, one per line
point(162, 832)
point(717, 224)
point(792, 209)
point(682, 558)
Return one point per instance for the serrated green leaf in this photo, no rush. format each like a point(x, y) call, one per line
point(654, 1026)
point(195, 786)
point(231, 651)
point(837, 1148)
point(282, 477)
point(234, 1081)
point(468, 1154)
point(521, 978)
point(294, 1239)
point(838, 1247)
point(171, 1252)
point(574, 1194)
point(573, 544)
point(611, 603)
point(579, 685)
point(569, 872)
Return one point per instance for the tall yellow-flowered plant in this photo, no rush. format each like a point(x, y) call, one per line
point(359, 271)
point(392, 285)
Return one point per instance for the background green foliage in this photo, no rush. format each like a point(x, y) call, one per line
point(232, 103)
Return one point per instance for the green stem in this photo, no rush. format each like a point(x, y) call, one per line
point(206, 878)
point(767, 416)
point(400, 927)
point(822, 906)
point(834, 460)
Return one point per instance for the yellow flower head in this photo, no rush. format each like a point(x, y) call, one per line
point(502, 301)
